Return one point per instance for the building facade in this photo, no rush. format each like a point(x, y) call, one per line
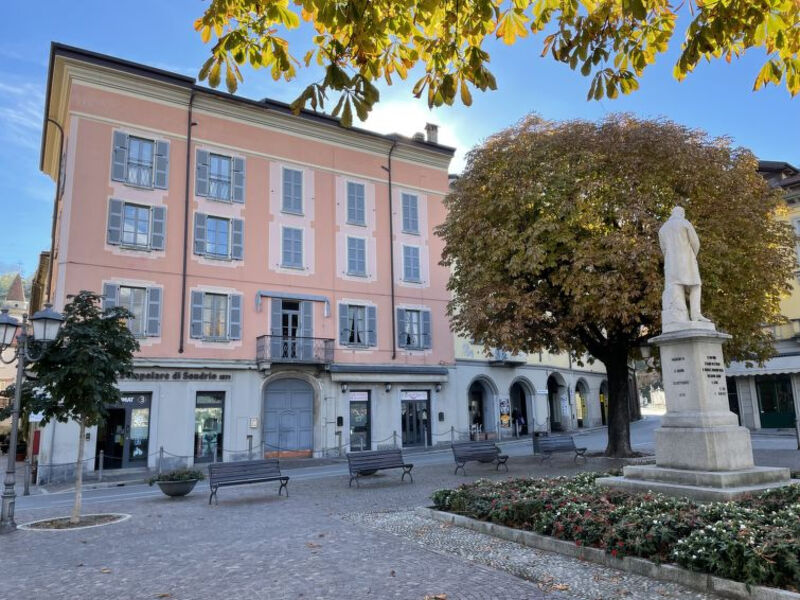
point(282, 269)
point(768, 396)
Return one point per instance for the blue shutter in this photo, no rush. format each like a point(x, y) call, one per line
point(201, 174)
point(114, 229)
point(196, 329)
point(237, 239)
point(306, 329)
point(110, 295)
point(238, 180)
point(199, 234)
point(401, 328)
point(153, 312)
point(425, 328)
point(119, 156)
point(159, 231)
point(352, 267)
point(344, 324)
point(162, 165)
point(235, 317)
point(372, 326)
point(276, 313)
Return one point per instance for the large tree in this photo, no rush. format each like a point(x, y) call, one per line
point(361, 41)
point(76, 375)
point(551, 235)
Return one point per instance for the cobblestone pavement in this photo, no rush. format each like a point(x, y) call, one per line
point(258, 545)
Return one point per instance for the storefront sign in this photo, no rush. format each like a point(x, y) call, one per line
point(359, 396)
point(414, 395)
point(179, 376)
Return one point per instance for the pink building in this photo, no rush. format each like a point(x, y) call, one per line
point(282, 269)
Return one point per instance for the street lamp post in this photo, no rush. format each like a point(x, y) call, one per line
point(46, 324)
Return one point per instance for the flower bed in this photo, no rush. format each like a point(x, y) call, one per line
point(755, 540)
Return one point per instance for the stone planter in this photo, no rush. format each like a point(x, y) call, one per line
point(177, 488)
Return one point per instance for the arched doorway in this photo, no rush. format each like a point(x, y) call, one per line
point(604, 402)
point(581, 395)
point(480, 398)
point(519, 409)
point(288, 417)
point(558, 402)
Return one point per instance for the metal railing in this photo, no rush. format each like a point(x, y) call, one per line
point(286, 349)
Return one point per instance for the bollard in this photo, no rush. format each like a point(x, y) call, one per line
point(452, 434)
point(160, 458)
point(250, 447)
point(339, 441)
point(425, 434)
point(394, 438)
point(100, 469)
point(27, 484)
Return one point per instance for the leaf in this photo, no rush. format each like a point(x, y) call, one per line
point(213, 77)
point(230, 79)
point(466, 96)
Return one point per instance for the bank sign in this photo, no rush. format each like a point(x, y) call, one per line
point(179, 376)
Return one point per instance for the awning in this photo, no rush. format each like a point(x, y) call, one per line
point(774, 366)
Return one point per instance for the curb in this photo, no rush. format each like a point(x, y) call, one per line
point(701, 582)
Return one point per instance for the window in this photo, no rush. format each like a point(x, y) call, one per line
point(357, 325)
point(292, 254)
point(292, 191)
point(355, 204)
point(215, 316)
point(208, 414)
point(136, 226)
point(410, 214)
point(133, 298)
point(140, 162)
point(413, 329)
point(219, 177)
point(217, 236)
point(356, 256)
point(411, 263)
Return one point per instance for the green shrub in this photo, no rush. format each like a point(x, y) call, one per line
point(177, 475)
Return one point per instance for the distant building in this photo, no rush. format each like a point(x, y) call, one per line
point(768, 396)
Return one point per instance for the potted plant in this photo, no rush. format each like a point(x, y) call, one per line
point(178, 482)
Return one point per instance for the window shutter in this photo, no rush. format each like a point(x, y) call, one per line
point(201, 175)
point(238, 180)
point(157, 238)
point(110, 295)
point(235, 317)
point(237, 239)
point(276, 341)
point(119, 156)
point(307, 329)
point(425, 327)
point(196, 329)
point(154, 312)
point(162, 165)
point(199, 234)
point(344, 324)
point(401, 328)
point(114, 230)
point(372, 326)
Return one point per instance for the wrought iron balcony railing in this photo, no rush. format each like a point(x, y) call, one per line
point(285, 349)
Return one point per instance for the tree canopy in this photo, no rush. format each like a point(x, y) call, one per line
point(551, 235)
point(361, 41)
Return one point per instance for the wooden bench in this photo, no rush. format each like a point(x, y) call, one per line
point(370, 461)
point(483, 451)
point(545, 446)
point(242, 472)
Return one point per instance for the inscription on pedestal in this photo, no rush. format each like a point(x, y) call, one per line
point(714, 371)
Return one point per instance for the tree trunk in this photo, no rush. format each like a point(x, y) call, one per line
point(619, 414)
point(76, 509)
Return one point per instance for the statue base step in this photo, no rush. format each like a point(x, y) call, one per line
point(702, 486)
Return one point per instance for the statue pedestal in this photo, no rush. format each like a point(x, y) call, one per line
point(701, 451)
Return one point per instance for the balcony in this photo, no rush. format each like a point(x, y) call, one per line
point(277, 349)
point(502, 358)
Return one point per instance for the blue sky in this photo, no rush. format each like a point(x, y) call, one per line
point(716, 98)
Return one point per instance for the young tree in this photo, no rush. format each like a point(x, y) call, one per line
point(551, 235)
point(77, 373)
point(361, 41)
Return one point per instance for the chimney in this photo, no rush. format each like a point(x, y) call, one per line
point(433, 132)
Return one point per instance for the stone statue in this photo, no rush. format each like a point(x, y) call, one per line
point(679, 244)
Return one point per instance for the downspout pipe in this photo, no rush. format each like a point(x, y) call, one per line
point(388, 170)
point(55, 209)
point(186, 214)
